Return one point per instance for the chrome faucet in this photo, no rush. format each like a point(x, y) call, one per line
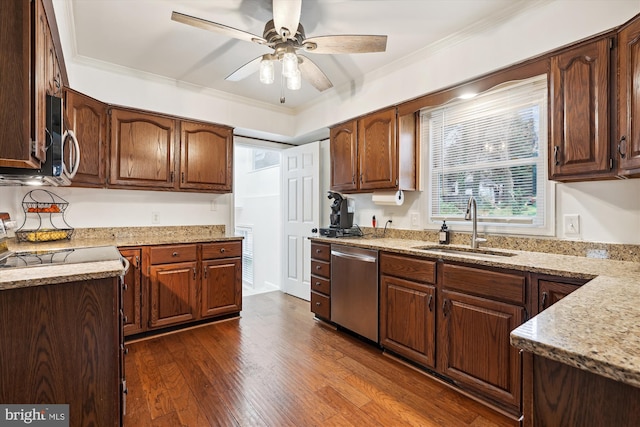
point(472, 214)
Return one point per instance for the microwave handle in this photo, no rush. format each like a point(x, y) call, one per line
point(73, 154)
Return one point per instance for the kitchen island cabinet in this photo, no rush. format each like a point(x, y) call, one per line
point(61, 344)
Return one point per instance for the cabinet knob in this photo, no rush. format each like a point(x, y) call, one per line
point(317, 283)
point(318, 267)
point(318, 251)
point(318, 304)
point(222, 250)
point(174, 254)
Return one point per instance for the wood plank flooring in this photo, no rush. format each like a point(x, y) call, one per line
point(277, 366)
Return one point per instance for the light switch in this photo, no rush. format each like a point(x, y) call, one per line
point(571, 225)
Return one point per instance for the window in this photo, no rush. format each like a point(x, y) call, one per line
point(264, 158)
point(491, 147)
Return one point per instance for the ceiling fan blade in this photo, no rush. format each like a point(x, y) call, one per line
point(346, 44)
point(286, 14)
point(216, 28)
point(313, 74)
point(246, 70)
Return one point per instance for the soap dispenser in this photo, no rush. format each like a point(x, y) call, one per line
point(444, 234)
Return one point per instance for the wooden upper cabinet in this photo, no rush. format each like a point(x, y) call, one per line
point(344, 156)
point(87, 117)
point(142, 150)
point(580, 112)
point(629, 98)
point(206, 157)
point(366, 154)
point(377, 151)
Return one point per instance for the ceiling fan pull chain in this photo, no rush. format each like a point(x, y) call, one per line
point(282, 88)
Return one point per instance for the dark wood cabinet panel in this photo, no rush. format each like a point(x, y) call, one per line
point(41, 80)
point(405, 267)
point(62, 345)
point(88, 120)
point(142, 150)
point(408, 318)
point(221, 287)
point(206, 157)
point(221, 250)
point(132, 292)
point(378, 151)
point(499, 285)
point(580, 111)
point(172, 293)
point(344, 156)
point(629, 98)
point(550, 293)
point(320, 252)
point(474, 348)
point(321, 280)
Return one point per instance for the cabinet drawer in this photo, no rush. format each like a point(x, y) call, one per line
point(321, 251)
point(171, 254)
point(474, 281)
point(321, 305)
point(321, 268)
point(421, 270)
point(221, 250)
point(320, 284)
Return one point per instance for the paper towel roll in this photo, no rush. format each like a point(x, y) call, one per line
point(388, 198)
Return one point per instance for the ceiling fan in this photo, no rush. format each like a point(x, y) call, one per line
point(285, 35)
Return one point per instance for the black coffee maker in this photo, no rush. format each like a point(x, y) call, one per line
point(340, 216)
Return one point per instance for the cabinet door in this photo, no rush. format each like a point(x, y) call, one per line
point(344, 157)
point(41, 42)
point(550, 293)
point(172, 293)
point(474, 348)
point(206, 157)
point(132, 293)
point(377, 151)
point(580, 131)
point(142, 150)
point(15, 80)
point(53, 74)
point(408, 319)
point(88, 119)
point(629, 97)
point(221, 286)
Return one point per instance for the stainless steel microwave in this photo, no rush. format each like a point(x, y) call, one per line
point(54, 170)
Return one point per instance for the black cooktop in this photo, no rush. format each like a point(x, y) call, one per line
point(60, 256)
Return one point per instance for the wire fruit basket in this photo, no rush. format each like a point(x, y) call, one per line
point(44, 210)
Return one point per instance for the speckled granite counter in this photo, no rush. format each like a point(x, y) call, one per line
point(115, 237)
point(596, 328)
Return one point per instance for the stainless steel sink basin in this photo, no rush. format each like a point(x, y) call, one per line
point(464, 251)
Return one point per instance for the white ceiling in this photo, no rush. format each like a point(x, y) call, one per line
point(139, 36)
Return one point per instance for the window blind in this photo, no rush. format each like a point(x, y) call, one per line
point(492, 147)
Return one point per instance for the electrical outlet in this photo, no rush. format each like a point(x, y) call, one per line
point(415, 220)
point(155, 217)
point(571, 225)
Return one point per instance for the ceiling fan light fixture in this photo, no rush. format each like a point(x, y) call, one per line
point(295, 81)
point(289, 63)
point(267, 73)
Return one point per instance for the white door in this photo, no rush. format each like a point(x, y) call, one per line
point(301, 198)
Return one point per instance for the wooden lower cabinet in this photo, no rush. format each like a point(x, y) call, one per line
point(132, 292)
point(408, 319)
point(321, 280)
point(474, 348)
point(62, 345)
point(172, 295)
point(221, 287)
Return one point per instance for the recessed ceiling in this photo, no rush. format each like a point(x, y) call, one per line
point(139, 36)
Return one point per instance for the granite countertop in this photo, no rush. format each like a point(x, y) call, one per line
point(596, 328)
point(12, 278)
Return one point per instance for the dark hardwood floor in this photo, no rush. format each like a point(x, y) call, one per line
point(277, 366)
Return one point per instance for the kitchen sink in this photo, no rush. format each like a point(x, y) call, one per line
point(464, 251)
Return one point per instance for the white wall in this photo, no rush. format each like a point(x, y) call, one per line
point(90, 208)
point(258, 205)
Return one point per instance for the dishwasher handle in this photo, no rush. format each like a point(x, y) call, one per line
point(357, 257)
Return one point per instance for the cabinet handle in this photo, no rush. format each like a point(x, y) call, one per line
point(445, 312)
point(205, 273)
point(544, 300)
point(429, 301)
point(125, 286)
point(622, 140)
point(222, 250)
point(194, 273)
point(125, 319)
point(556, 149)
point(172, 176)
point(353, 178)
point(318, 267)
point(361, 179)
point(137, 261)
point(317, 283)
point(174, 254)
point(182, 177)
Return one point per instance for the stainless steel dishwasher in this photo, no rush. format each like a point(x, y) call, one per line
point(354, 290)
